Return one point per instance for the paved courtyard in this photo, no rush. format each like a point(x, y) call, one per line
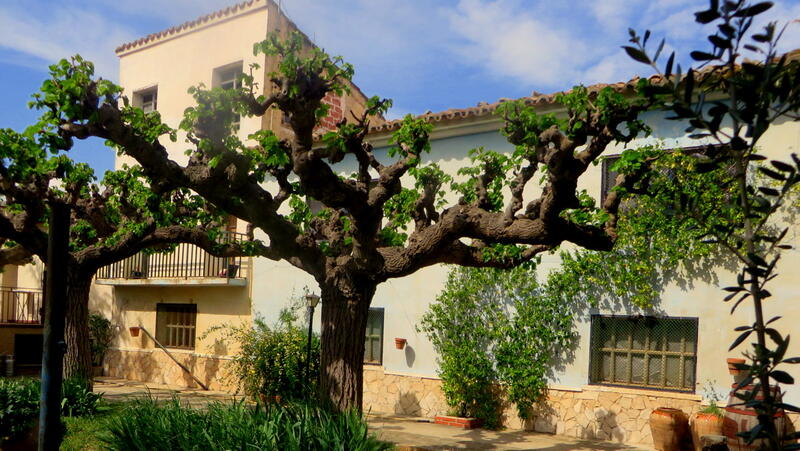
point(410, 434)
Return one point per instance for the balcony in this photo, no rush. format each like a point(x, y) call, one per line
point(21, 306)
point(186, 265)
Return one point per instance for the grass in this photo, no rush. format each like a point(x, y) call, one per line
point(150, 425)
point(83, 433)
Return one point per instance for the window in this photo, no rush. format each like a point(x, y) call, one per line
point(609, 177)
point(314, 205)
point(147, 100)
point(644, 352)
point(227, 77)
point(175, 325)
point(373, 352)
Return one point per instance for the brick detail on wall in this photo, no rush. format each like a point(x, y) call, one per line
point(335, 112)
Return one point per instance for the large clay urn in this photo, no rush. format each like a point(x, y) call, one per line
point(669, 428)
point(705, 424)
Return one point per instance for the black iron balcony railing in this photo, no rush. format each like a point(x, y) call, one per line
point(185, 262)
point(21, 306)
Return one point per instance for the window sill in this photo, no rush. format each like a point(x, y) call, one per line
point(661, 393)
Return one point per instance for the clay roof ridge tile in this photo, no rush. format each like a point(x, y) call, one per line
point(188, 25)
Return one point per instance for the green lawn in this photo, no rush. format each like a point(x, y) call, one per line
point(83, 432)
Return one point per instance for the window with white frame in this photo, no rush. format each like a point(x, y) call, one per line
point(609, 179)
point(229, 77)
point(644, 351)
point(146, 99)
point(373, 345)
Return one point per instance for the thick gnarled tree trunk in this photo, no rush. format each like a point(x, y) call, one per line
point(78, 359)
point(344, 323)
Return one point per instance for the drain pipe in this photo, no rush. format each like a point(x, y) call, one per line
point(172, 357)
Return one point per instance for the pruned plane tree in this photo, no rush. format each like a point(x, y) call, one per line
point(373, 228)
point(125, 213)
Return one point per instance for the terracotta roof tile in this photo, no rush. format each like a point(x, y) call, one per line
point(186, 26)
point(483, 109)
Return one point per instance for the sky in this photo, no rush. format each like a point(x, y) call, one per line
point(426, 55)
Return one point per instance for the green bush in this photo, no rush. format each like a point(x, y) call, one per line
point(19, 404)
point(495, 331)
point(19, 407)
point(100, 334)
point(77, 399)
point(272, 360)
point(145, 425)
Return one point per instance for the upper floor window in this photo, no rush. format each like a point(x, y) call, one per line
point(644, 351)
point(609, 177)
point(146, 99)
point(175, 325)
point(373, 345)
point(227, 77)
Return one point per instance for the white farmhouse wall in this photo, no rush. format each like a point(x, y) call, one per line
point(405, 300)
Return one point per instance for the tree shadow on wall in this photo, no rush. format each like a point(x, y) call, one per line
point(407, 404)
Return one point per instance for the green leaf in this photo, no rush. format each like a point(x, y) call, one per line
point(754, 10)
point(783, 167)
point(740, 339)
point(705, 17)
point(782, 376)
point(636, 54)
point(698, 55)
point(668, 66)
point(771, 174)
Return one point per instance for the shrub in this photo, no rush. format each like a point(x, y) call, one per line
point(77, 399)
point(495, 330)
point(145, 425)
point(19, 407)
point(272, 360)
point(19, 404)
point(100, 333)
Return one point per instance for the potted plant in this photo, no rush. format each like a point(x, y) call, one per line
point(707, 421)
point(710, 419)
point(669, 428)
point(399, 343)
point(733, 365)
point(100, 334)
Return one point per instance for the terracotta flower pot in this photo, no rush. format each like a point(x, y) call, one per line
point(705, 424)
point(134, 331)
point(732, 365)
point(669, 427)
point(399, 343)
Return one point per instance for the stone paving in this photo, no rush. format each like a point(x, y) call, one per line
point(410, 433)
point(116, 389)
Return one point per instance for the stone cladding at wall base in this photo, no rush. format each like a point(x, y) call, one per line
point(153, 365)
point(591, 412)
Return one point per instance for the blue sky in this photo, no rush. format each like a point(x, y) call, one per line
point(424, 54)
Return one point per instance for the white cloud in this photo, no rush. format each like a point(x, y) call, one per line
point(60, 33)
point(397, 47)
point(612, 68)
point(512, 43)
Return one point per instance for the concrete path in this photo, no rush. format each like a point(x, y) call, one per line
point(410, 434)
